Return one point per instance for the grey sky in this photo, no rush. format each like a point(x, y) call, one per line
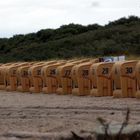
point(25, 16)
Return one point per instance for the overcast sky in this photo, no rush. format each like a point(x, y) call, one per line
point(25, 16)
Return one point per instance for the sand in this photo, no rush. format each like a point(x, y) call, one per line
point(25, 112)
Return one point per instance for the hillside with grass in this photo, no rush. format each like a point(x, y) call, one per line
point(116, 38)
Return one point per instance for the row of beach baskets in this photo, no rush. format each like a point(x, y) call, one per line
point(75, 77)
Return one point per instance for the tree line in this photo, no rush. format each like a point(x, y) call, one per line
point(116, 38)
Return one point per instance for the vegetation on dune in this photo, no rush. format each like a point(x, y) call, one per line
point(119, 37)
